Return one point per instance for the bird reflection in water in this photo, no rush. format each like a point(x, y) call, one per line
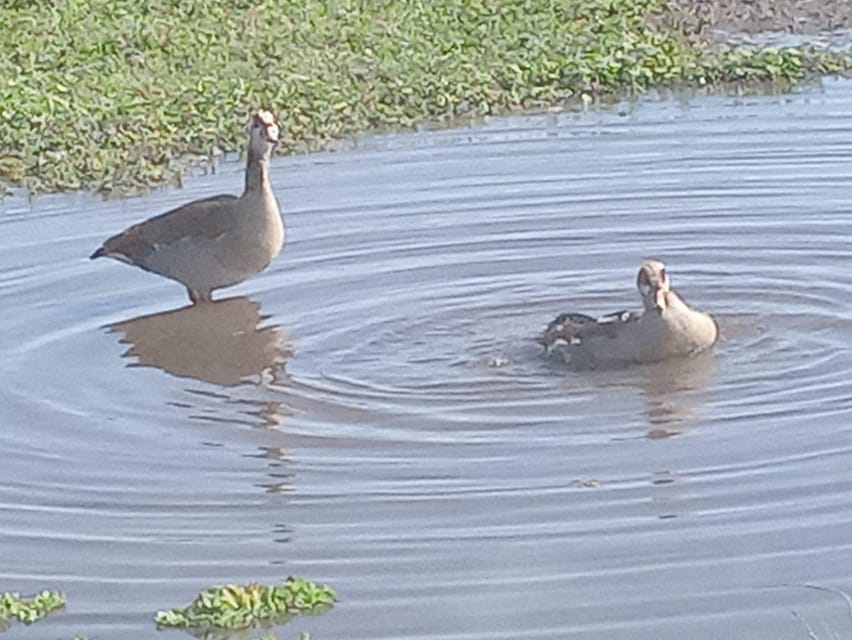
point(674, 393)
point(220, 342)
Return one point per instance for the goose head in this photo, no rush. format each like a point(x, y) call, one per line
point(263, 133)
point(654, 285)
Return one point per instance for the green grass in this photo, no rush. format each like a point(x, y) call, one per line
point(28, 610)
point(121, 94)
point(219, 611)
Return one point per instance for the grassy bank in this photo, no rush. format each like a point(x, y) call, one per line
point(117, 94)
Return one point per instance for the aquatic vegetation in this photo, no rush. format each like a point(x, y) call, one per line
point(232, 607)
point(28, 610)
point(216, 612)
point(122, 95)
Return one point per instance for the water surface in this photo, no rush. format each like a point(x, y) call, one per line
point(373, 413)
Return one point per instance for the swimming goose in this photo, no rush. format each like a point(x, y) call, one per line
point(215, 242)
point(667, 328)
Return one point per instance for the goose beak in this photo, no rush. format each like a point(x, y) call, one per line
point(660, 301)
point(272, 133)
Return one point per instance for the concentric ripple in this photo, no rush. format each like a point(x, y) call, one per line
point(374, 412)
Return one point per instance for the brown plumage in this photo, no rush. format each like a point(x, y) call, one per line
point(214, 242)
point(667, 328)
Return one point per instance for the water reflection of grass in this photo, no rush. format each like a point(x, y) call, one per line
point(116, 95)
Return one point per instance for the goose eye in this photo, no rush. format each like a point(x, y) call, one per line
point(663, 275)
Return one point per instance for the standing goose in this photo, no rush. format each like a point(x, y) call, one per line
point(667, 328)
point(214, 242)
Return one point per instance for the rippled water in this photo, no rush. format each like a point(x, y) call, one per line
point(373, 412)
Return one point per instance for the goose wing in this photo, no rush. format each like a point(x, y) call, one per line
point(574, 328)
point(210, 218)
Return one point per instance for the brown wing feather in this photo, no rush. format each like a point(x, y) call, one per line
point(209, 217)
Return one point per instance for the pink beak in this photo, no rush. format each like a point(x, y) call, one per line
point(660, 301)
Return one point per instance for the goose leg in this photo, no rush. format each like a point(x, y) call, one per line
point(199, 296)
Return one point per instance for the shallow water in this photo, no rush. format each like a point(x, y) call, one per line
point(373, 412)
